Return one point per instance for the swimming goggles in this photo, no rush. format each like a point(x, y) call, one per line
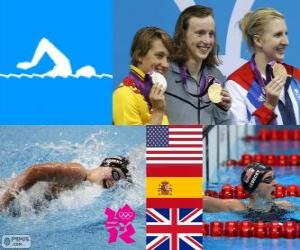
point(115, 174)
point(268, 180)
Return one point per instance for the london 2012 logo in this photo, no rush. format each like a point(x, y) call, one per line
point(232, 57)
point(118, 224)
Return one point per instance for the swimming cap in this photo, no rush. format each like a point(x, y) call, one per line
point(253, 174)
point(118, 161)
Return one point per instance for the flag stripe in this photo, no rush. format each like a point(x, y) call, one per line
point(177, 229)
point(194, 242)
point(186, 126)
point(190, 137)
point(198, 130)
point(185, 133)
point(174, 161)
point(184, 142)
point(174, 202)
point(176, 171)
point(174, 155)
point(154, 215)
point(157, 243)
point(177, 152)
point(166, 149)
point(190, 215)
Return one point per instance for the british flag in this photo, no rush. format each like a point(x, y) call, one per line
point(174, 229)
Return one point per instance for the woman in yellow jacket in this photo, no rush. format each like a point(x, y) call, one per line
point(139, 100)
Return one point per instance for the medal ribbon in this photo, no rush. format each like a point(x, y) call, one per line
point(258, 77)
point(144, 86)
point(204, 82)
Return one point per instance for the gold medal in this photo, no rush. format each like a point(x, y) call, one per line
point(214, 93)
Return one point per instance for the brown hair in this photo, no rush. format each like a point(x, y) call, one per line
point(254, 23)
point(182, 24)
point(143, 39)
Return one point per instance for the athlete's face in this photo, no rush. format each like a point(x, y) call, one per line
point(200, 37)
point(267, 185)
point(157, 58)
point(274, 41)
point(113, 175)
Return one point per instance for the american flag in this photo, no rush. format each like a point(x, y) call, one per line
point(174, 229)
point(174, 146)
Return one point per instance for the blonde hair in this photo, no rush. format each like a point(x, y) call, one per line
point(254, 23)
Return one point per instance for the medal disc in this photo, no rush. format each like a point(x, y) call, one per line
point(158, 78)
point(214, 93)
point(279, 69)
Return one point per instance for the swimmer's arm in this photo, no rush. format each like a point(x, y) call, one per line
point(61, 173)
point(285, 204)
point(211, 204)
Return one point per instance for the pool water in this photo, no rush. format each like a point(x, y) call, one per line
point(76, 219)
point(231, 175)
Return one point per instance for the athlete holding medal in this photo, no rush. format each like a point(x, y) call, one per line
point(265, 90)
point(195, 94)
point(140, 98)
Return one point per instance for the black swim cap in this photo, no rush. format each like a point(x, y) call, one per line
point(118, 161)
point(253, 174)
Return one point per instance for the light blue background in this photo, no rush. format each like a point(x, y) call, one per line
point(131, 15)
point(82, 30)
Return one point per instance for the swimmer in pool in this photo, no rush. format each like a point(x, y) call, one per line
point(63, 176)
point(259, 181)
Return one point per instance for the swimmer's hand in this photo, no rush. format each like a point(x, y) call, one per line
point(24, 65)
point(285, 205)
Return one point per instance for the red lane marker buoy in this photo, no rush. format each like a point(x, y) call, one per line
point(294, 160)
point(231, 229)
point(245, 229)
point(216, 228)
point(292, 190)
point(269, 159)
point(260, 229)
point(280, 191)
point(238, 192)
point(226, 192)
point(290, 229)
point(282, 160)
point(275, 230)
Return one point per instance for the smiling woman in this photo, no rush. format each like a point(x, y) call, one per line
point(139, 100)
point(194, 70)
point(265, 90)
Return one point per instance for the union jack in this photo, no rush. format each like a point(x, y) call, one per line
point(174, 229)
